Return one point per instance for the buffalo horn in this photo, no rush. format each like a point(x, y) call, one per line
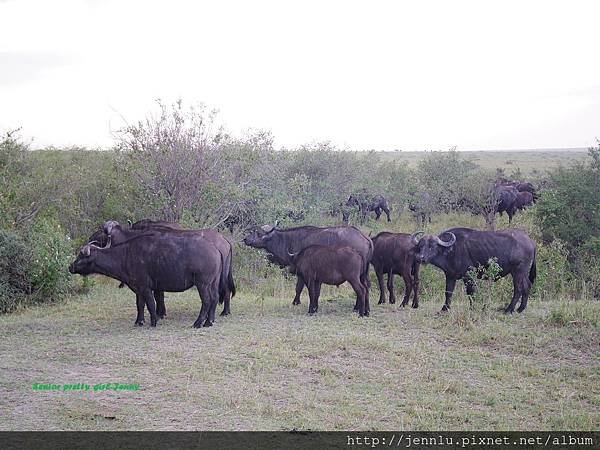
point(416, 237)
point(447, 243)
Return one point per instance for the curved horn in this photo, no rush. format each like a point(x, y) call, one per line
point(130, 223)
point(276, 223)
point(267, 228)
point(291, 255)
point(447, 243)
point(416, 237)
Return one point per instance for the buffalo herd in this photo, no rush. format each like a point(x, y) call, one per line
point(154, 257)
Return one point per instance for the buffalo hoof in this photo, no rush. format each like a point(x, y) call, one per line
point(415, 305)
point(445, 308)
point(139, 323)
point(153, 323)
point(509, 311)
point(161, 316)
point(381, 301)
point(521, 309)
point(197, 324)
point(403, 304)
point(225, 313)
point(367, 313)
point(392, 301)
point(208, 323)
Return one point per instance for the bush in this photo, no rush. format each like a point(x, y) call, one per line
point(15, 286)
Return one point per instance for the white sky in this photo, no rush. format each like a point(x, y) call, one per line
point(373, 74)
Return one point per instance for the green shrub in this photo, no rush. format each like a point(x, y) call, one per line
point(14, 262)
point(51, 253)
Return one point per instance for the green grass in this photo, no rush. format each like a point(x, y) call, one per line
point(271, 366)
point(530, 162)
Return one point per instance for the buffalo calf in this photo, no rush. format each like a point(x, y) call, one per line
point(331, 265)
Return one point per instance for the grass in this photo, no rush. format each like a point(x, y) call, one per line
point(270, 366)
point(530, 162)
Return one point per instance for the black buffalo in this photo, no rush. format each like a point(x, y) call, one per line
point(119, 234)
point(154, 260)
point(520, 186)
point(332, 265)
point(458, 250)
point(277, 242)
point(367, 204)
point(393, 253)
point(506, 196)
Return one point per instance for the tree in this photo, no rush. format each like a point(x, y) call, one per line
point(176, 158)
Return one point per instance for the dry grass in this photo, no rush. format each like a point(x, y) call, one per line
point(271, 366)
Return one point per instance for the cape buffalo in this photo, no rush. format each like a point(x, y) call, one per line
point(119, 234)
point(393, 253)
point(334, 265)
point(366, 204)
point(159, 261)
point(277, 242)
point(458, 250)
point(506, 197)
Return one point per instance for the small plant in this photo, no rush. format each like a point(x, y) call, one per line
point(481, 283)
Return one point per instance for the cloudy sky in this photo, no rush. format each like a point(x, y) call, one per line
point(369, 74)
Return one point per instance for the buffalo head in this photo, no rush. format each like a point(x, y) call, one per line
point(84, 263)
point(260, 236)
point(429, 246)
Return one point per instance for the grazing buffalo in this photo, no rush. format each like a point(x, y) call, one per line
point(393, 253)
point(367, 204)
point(334, 265)
point(520, 186)
point(421, 206)
point(277, 242)
point(119, 234)
point(155, 260)
point(506, 197)
point(458, 250)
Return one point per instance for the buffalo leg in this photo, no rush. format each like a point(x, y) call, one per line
point(314, 290)
point(151, 305)
point(161, 310)
point(377, 213)
point(141, 304)
point(516, 296)
point(206, 299)
point(450, 283)
point(213, 305)
point(390, 286)
point(408, 288)
point(387, 213)
point(415, 283)
point(299, 287)
point(359, 288)
point(380, 281)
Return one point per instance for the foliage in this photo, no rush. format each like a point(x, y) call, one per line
point(569, 209)
point(51, 254)
point(14, 262)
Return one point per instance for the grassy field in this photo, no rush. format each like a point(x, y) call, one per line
point(530, 162)
point(271, 366)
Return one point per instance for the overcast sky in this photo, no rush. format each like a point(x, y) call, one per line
point(373, 74)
